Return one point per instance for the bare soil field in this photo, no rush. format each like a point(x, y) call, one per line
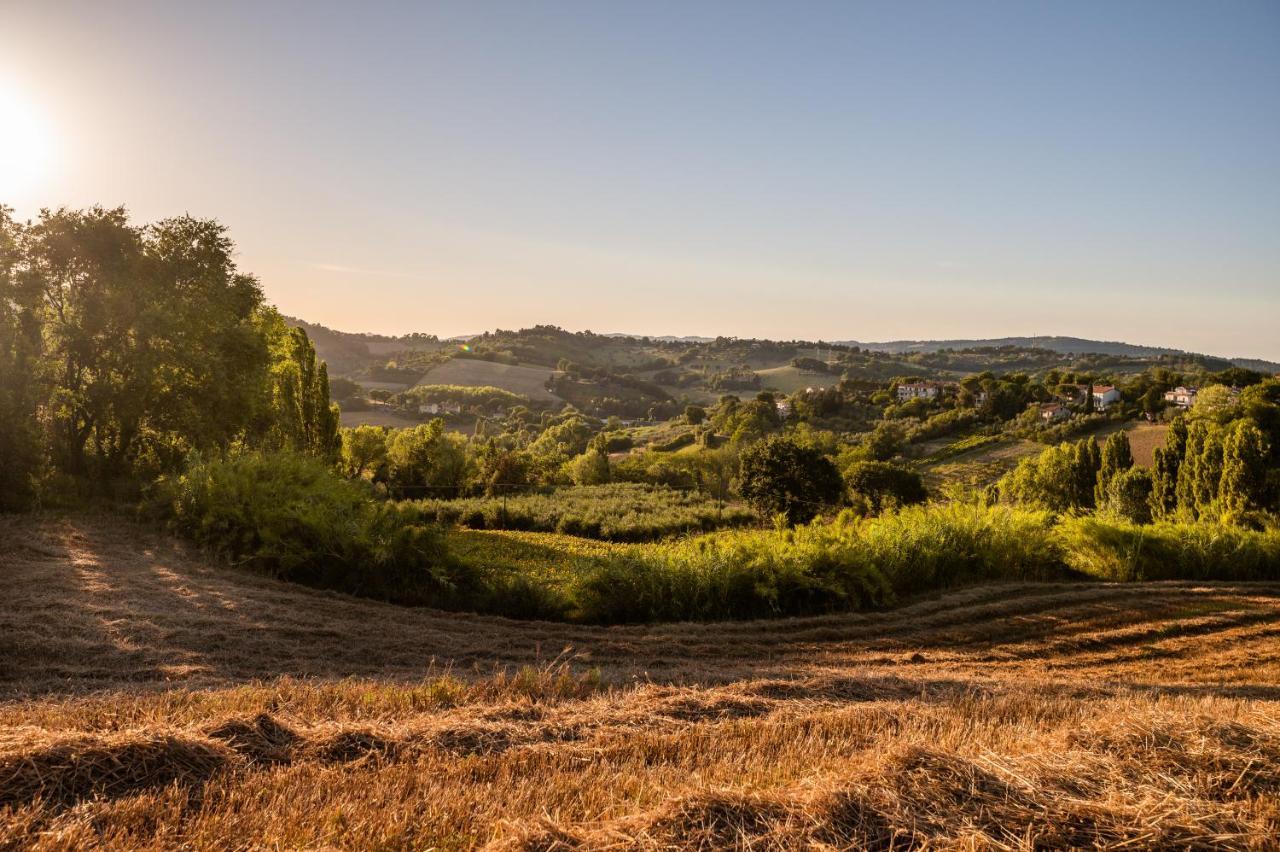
point(154, 699)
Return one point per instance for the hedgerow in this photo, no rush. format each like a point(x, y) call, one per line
point(614, 512)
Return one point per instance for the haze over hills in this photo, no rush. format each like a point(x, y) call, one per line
point(331, 341)
point(1066, 345)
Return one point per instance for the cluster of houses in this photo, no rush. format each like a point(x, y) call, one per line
point(1103, 396)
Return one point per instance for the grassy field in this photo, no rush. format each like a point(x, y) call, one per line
point(789, 379)
point(526, 381)
point(153, 700)
point(1143, 440)
point(980, 466)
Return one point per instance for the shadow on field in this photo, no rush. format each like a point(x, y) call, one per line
point(95, 602)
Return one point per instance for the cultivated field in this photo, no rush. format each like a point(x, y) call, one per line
point(152, 699)
point(526, 381)
point(980, 466)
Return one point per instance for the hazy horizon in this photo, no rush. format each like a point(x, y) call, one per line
point(840, 171)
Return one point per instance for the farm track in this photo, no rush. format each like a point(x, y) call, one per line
point(153, 699)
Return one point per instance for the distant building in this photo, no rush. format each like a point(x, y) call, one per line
point(784, 408)
point(919, 390)
point(439, 408)
point(1104, 395)
point(1052, 412)
point(1181, 397)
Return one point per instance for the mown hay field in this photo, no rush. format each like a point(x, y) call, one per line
point(152, 699)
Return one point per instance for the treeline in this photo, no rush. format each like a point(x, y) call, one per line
point(1217, 464)
point(125, 349)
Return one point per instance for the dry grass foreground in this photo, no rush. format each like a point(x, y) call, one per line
point(154, 700)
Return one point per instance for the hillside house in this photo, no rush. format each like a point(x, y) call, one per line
point(919, 390)
point(1052, 412)
point(437, 408)
point(1104, 395)
point(784, 409)
point(1182, 397)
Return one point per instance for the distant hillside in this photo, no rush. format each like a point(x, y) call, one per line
point(1066, 345)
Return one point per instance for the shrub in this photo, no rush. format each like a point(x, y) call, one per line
point(883, 485)
point(291, 517)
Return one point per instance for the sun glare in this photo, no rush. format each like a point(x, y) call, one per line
point(24, 145)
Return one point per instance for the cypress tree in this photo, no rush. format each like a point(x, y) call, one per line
point(1164, 484)
point(1209, 474)
point(1117, 456)
point(1188, 471)
point(1244, 469)
point(1085, 463)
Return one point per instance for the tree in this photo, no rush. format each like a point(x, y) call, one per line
point(300, 417)
point(1244, 469)
point(1117, 457)
point(364, 451)
point(1165, 468)
point(1129, 495)
point(778, 476)
point(21, 374)
point(882, 485)
point(590, 468)
point(695, 414)
point(426, 461)
point(1085, 461)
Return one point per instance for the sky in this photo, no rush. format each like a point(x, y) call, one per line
point(846, 170)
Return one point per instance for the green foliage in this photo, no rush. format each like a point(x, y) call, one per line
point(590, 468)
point(1119, 550)
point(289, 516)
point(1243, 486)
point(364, 452)
point(881, 485)
point(1060, 479)
point(616, 512)
point(778, 476)
point(1117, 457)
point(818, 568)
point(426, 460)
point(1129, 495)
point(484, 399)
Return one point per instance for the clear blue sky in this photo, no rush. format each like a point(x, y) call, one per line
point(835, 170)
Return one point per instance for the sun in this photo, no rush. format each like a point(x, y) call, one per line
point(24, 145)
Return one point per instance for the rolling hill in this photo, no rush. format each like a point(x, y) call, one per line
point(154, 700)
point(1065, 345)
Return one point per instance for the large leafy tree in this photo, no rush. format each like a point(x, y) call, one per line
point(21, 370)
point(780, 477)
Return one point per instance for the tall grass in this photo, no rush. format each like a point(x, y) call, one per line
point(616, 512)
point(1110, 549)
point(824, 567)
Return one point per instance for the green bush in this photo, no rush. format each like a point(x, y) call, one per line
point(291, 517)
point(1120, 550)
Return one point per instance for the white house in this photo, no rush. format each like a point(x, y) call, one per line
point(1052, 412)
point(1104, 395)
point(784, 408)
point(919, 390)
point(439, 408)
point(1181, 397)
